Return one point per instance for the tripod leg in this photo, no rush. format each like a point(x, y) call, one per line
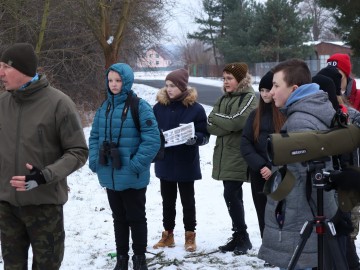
point(338, 257)
point(304, 235)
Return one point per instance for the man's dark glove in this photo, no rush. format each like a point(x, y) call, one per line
point(34, 179)
point(191, 141)
point(347, 179)
point(332, 183)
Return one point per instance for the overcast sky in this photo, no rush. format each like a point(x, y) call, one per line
point(181, 20)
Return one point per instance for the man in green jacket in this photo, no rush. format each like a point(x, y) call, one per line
point(41, 143)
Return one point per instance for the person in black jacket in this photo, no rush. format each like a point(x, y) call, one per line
point(329, 80)
point(264, 120)
point(181, 164)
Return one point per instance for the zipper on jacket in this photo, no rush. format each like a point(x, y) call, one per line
point(280, 217)
point(41, 140)
point(222, 141)
point(112, 177)
point(221, 154)
point(280, 235)
point(18, 132)
point(106, 119)
point(111, 116)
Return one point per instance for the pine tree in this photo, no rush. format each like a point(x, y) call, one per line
point(273, 31)
point(347, 16)
point(212, 26)
point(235, 44)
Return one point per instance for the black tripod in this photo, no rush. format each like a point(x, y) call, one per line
point(326, 233)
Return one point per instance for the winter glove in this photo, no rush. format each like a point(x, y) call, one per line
point(34, 179)
point(347, 179)
point(331, 184)
point(191, 141)
point(342, 116)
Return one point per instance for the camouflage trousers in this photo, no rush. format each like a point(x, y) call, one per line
point(41, 226)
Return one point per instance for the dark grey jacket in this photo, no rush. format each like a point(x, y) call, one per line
point(306, 109)
point(41, 126)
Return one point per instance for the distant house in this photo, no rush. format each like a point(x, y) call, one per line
point(155, 57)
point(324, 49)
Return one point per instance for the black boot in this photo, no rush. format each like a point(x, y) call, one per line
point(231, 243)
point(243, 244)
point(122, 262)
point(139, 262)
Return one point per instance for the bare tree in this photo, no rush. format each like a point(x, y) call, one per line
point(322, 20)
point(196, 52)
point(117, 25)
point(76, 40)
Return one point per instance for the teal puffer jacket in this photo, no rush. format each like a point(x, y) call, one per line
point(136, 149)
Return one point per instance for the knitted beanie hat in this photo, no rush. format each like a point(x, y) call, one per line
point(341, 61)
point(21, 56)
point(238, 70)
point(327, 85)
point(267, 80)
point(179, 77)
point(334, 74)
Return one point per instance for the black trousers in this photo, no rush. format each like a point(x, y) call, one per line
point(128, 208)
point(187, 196)
point(233, 195)
point(259, 198)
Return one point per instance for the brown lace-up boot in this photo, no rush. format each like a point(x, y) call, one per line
point(190, 243)
point(167, 240)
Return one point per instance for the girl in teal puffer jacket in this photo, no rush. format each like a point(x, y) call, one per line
point(121, 157)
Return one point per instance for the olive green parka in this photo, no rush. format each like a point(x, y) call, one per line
point(226, 121)
point(41, 126)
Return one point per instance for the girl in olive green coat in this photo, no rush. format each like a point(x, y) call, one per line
point(226, 121)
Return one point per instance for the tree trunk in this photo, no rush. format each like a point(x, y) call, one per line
point(43, 27)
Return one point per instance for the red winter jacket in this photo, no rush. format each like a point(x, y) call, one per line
point(353, 94)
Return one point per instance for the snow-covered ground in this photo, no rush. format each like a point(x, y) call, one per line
point(89, 227)
point(89, 224)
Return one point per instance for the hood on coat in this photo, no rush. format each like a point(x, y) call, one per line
point(127, 76)
point(308, 99)
point(163, 98)
point(303, 91)
point(244, 83)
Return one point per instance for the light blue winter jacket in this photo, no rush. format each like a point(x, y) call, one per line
point(306, 109)
point(136, 149)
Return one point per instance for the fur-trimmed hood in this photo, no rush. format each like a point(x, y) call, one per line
point(246, 82)
point(189, 100)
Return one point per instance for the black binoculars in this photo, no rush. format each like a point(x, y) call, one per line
point(109, 150)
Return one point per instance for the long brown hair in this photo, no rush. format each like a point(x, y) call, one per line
point(278, 119)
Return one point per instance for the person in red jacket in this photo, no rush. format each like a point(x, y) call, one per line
point(348, 84)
